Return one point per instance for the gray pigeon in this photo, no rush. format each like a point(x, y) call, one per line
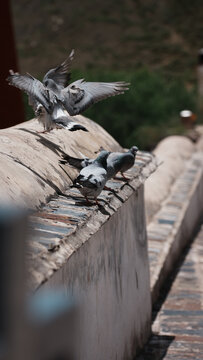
point(55, 102)
point(92, 178)
point(44, 96)
point(121, 162)
point(116, 162)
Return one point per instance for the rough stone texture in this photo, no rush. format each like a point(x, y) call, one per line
point(29, 168)
point(97, 253)
point(66, 222)
point(178, 328)
point(109, 276)
point(172, 154)
point(173, 225)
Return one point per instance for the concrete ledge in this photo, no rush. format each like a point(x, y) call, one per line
point(99, 254)
point(172, 153)
point(67, 222)
point(173, 225)
point(109, 277)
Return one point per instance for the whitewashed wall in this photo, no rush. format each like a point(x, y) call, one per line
point(109, 275)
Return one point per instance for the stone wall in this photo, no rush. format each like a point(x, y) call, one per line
point(98, 254)
point(172, 153)
point(109, 278)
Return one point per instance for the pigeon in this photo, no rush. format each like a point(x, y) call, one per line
point(116, 161)
point(44, 96)
point(55, 101)
point(121, 162)
point(92, 178)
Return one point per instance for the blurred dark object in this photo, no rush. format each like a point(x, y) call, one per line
point(200, 83)
point(200, 57)
point(188, 118)
point(42, 326)
point(52, 316)
point(11, 111)
point(13, 224)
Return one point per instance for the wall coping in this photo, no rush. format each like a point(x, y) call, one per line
point(67, 222)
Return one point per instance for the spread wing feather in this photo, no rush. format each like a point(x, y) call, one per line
point(33, 87)
point(61, 74)
point(79, 95)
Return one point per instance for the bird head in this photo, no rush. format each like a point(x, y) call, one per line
point(134, 150)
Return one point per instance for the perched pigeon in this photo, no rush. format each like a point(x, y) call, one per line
point(92, 178)
point(121, 162)
point(116, 161)
point(54, 101)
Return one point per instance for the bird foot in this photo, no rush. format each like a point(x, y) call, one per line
point(108, 188)
point(43, 132)
point(124, 177)
point(87, 200)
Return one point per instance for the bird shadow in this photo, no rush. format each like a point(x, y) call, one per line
point(79, 201)
point(107, 203)
point(157, 347)
point(66, 173)
point(102, 209)
point(118, 197)
point(114, 192)
point(44, 141)
point(128, 184)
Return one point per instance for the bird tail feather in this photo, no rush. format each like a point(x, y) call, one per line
point(75, 162)
point(66, 123)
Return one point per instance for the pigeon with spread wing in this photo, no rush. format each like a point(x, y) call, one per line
point(55, 101)
point(44, 96)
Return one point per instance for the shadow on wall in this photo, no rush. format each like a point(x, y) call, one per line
point(157, 347)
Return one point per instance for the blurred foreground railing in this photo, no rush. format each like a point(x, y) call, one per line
point(35, 327)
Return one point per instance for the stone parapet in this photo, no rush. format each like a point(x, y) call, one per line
point(172, 154)
point(96, 253)
point(30, 171)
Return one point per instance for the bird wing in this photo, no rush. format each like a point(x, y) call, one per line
point(61, 74)
point(79, 95)
point(33, 87)
point(76, 162)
